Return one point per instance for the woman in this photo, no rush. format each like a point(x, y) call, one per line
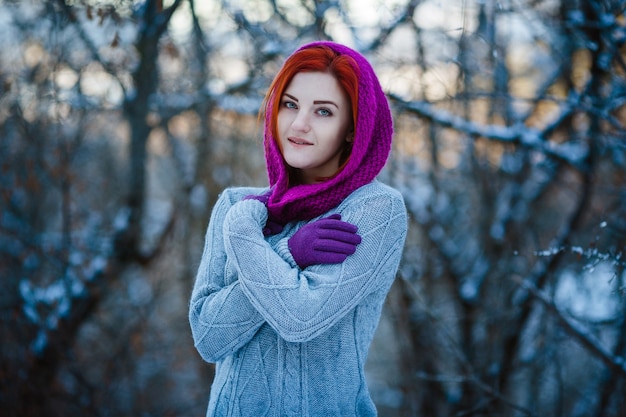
point(293, 278)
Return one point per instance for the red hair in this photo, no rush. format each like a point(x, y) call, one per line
point(318, 58)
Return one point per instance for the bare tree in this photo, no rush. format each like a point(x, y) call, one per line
point(527, 205)
point(73, 255)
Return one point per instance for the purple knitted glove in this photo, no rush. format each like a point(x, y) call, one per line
point(263, 198)
point(271, 227)
point(325, 241)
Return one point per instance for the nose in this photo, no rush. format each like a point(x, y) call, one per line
point(301, 122)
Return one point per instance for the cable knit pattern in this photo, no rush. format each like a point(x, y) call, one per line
point(372, 144)
point(291, 342)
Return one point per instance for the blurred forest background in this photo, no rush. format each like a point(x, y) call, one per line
point(121, 121)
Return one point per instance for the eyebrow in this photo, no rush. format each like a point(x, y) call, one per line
point(314, 102)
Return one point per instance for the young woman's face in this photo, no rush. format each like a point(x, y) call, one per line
point(314, 123)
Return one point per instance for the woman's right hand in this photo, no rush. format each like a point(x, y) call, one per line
point(325, 241)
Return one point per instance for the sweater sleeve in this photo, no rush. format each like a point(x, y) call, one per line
point(302, 304)
point(221, 317)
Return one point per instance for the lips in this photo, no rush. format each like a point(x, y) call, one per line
point(299, 141)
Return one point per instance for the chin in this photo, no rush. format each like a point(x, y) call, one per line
point(297, 164)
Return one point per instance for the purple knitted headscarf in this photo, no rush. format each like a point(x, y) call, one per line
point(371, 147)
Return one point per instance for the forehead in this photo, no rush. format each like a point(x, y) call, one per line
point(315, 86)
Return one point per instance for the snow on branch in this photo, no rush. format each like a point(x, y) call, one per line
point(570, 153)
point(593, 255)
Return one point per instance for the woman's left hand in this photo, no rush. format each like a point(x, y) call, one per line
point(263, 198)
point(272, 227)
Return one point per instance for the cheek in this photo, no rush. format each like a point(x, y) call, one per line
point(282, 121)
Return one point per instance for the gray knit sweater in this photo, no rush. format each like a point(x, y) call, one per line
point(291, 342)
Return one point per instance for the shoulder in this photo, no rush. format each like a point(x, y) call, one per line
point(374, 191)
point(377, 188)
point(229, 196)
point(380, 215)
point(374, 204)
point(232, 195)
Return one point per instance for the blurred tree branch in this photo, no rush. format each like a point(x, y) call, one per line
point(581, 334)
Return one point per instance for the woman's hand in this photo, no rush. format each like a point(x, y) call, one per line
point(325, 241)
point(263, 198)
point(271, 227)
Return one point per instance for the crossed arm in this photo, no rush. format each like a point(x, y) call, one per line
point(222, 318)
point(299, 304)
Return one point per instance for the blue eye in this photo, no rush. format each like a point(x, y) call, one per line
point(324, 112)
point(290, 105)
